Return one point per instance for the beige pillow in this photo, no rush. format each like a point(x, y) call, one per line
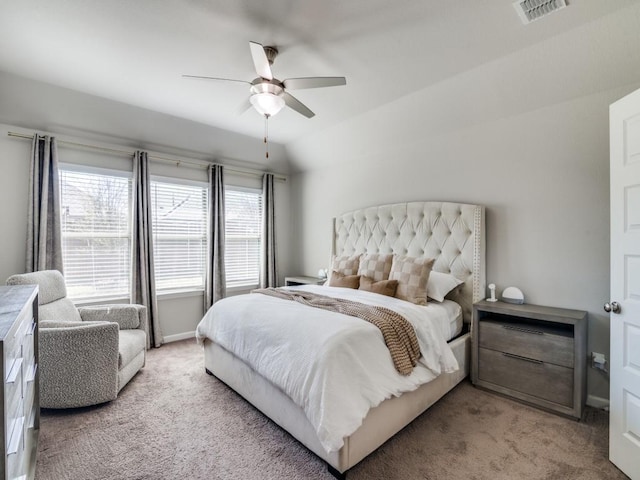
point(375, 265)
point(383, 287)
point(412, 274)
point(346, 265)
point(345, 281)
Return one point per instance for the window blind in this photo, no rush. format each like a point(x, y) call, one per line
point(243, 225)
point(96, 235)
point(179, 221)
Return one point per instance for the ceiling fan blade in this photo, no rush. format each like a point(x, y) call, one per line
point(260, 61)
point(313, 82)
point(216, 78)
point(297, 105)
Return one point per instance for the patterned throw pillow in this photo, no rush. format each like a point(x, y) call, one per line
point(383, 287)
point(346, 265)
point(345, 281)
point(375, 265)
point(412, 274)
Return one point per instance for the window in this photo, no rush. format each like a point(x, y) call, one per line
point(96, 234)
point(179, 234)
point(243, 231)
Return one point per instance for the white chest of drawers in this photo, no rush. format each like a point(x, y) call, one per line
point(20, 399)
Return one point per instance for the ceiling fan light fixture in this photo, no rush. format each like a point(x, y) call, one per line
point(267, 103)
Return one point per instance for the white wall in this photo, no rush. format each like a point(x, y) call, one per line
point(526, 136)
point(29, 106)
point(14, 190)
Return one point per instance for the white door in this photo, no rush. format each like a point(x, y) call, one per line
point(624, 424)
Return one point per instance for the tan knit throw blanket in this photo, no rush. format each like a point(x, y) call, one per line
point(399, 335)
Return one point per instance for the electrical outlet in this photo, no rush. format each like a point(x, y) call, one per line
point(599, 361)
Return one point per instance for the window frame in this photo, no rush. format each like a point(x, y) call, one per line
point(89, 170)
point(186, 291)
point(259, 192)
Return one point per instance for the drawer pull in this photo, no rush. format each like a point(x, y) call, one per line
point(15, 371)
point(521, 329)
point(526, 359)
point(32, 418)
point(16, 436)
point(31, 374)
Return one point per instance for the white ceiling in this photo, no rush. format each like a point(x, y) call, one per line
point(135, 51)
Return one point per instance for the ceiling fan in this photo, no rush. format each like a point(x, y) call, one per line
point(268, 94)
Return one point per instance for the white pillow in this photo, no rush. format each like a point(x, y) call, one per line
point(440, 284)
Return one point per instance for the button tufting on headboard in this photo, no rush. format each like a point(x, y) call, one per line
point(452, 233)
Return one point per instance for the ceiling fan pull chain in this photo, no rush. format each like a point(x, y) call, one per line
point(266, 134)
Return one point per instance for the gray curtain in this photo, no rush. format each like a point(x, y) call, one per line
point(44, 233)
point(143, 288)
point(268, 271)
point(216, 282)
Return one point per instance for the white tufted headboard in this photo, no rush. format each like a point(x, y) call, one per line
point(452, 233)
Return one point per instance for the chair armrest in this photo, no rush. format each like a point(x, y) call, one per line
point(58, 324)
point(78, 362)
point(126, 316)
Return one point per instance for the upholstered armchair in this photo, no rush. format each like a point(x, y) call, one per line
point(87, 354)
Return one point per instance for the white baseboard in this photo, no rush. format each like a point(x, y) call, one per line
point(598, 402)
point(179, 336)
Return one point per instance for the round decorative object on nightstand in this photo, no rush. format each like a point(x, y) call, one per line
point(513, 295)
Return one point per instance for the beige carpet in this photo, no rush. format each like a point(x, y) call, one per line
point(173, 421)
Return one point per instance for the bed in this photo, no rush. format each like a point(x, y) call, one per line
point(453, 235)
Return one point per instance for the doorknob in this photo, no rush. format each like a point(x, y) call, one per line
point(612, 307)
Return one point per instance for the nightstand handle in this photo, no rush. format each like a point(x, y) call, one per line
point(525, 330)
point(526, 359)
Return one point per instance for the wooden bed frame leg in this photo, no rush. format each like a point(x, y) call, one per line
point(336, 473)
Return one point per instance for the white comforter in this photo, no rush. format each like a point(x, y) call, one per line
point(335, 367)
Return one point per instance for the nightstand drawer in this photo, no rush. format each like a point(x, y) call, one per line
point(539, 379)
point(525, 339)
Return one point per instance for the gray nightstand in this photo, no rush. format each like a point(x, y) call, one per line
point(302, 280)
point(533, 353)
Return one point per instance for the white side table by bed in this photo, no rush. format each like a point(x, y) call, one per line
point(302, 280)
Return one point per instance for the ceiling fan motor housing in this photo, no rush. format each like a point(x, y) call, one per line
point(262, 85)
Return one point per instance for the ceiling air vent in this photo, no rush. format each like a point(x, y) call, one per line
point(530, 10)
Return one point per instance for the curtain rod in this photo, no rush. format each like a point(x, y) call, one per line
point(116, 151)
